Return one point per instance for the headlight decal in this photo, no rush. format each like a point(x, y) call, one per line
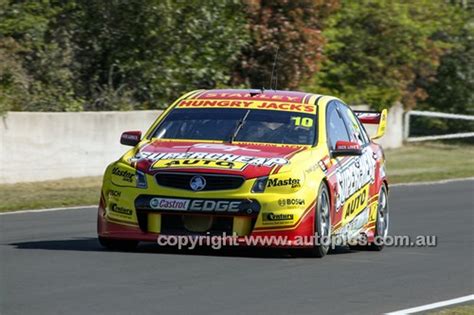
point(141, 180)
point(260, 185)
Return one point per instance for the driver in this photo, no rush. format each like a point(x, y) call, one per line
point(289, 133)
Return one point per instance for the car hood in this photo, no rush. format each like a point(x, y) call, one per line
point(249, 160)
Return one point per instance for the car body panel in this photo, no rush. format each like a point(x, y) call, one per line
point(134, 206)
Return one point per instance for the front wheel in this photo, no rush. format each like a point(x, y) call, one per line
point(118, 245)
point(322, 223)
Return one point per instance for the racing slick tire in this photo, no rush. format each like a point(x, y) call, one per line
point(117, 245)
point(322, 223)
point(382, 220)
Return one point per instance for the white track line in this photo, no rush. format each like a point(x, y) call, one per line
point(390, 185)
point(48, 210)
point(431, 306)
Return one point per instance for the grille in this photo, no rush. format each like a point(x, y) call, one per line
point(213, 182)
point(173, 225)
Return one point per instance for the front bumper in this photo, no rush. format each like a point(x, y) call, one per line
point(275, 219)
point(297, 236)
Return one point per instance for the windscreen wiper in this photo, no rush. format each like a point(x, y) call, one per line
point(239, 126)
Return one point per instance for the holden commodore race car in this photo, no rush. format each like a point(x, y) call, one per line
point(271, 168)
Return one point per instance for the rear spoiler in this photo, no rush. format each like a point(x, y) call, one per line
point(373, 118)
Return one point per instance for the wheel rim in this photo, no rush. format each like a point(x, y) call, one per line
point(323, 212)
point(382, 214)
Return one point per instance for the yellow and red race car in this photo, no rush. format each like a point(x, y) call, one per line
point(265, 167)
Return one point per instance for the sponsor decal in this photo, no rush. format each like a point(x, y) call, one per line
point(312, 168)
point(248, 104)
point(323, 166)
point(121, 210)
point(277, 217)
point(169, 204)
point(357, 202)
point(126, 175)
point(130, 137)
point(373, 211)
point(115, 193)
point(288, 202)
point(197, 205)
point(215, 146)
point(269, 218)
point(275, 182)
point(198, 163)
point(217, 206)
point(276, 97)
point(352, 228)
point(273, 145)
point(282, 202)
point(346, 145)
point(206, 159)
point(352, 177)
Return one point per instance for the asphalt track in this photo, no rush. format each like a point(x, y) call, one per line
point(51, 264)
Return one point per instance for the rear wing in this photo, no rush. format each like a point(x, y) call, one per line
point(373, 118)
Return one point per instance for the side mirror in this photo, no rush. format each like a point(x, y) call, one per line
point(131, 138)
point(346, 148)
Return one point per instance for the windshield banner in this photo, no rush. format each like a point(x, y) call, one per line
point(269, 105)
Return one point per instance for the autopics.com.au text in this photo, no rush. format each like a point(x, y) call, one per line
point(224, 240)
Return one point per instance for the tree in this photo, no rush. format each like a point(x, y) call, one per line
point(453, 88)
point(114, 55)
point(291, 27)
point(155, 50)
point(35, 69)
point(380, 51)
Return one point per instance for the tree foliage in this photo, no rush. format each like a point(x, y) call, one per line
point(109, 55)
point(156, 50)
point(291, 27)
point(35, 70)
point(75, 55)
point(382, 51)
point(453, 87)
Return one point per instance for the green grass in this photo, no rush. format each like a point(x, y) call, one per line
point(457, 310)
point(412, 163)
point(50, 194)
point(428, 162)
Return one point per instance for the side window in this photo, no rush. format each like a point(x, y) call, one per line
point(336, 128)
point(355, 128)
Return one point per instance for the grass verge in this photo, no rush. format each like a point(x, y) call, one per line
point(412, 163)
point(456, 310)
point(50, 194)
point(429, 162)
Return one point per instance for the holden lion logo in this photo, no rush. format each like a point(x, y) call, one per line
point(197, 183)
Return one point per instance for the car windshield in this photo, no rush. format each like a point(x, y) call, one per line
point(243, 125)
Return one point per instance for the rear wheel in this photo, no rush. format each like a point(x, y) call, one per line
point(119, 245)
point(382, 221)
point(322, 223)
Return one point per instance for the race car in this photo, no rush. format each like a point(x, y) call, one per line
point(269, 168)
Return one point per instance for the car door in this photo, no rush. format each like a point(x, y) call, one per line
point(355, 212)
point(336, 130)
point(350, 176)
